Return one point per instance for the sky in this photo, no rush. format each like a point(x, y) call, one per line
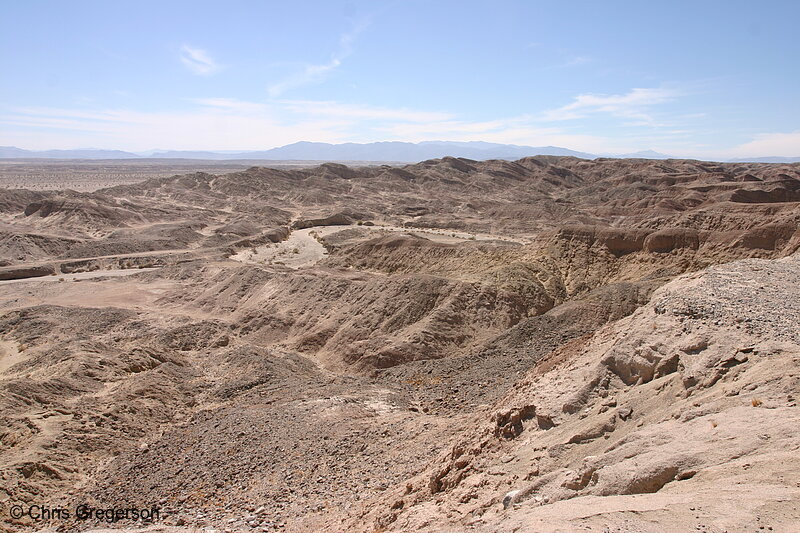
point(699, 78)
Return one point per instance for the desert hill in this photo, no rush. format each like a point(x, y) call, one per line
point(681, 415)
point(358, 348)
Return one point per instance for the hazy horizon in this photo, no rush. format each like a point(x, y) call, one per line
point(709, 81)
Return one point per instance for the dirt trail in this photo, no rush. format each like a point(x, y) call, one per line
point(80, 275)
point(300, 250)
point(447, 235)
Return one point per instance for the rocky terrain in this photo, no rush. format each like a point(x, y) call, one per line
point(91, 174)
point(551, 344)
point(682, 416)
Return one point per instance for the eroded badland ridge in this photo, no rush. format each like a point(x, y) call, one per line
point(551, 344)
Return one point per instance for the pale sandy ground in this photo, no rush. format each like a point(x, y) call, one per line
point(9, 355)
point(446, 235)
point(302, 249)
point(102, 288)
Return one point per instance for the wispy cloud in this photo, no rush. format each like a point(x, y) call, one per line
point(576, 60)
point(216, 124)
point(232, 124)
point(364, 112)
point(198, 61)
point(210, 123)
point(632, 105)
point(314, 73)
point(230, 105)
point(223, 123)
point(770, 144)
point(521, 130)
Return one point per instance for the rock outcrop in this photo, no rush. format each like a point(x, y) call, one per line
point(697, 389)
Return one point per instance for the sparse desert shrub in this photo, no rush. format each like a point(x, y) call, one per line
point(423, 381)
point(755, 402)
point(296, 251)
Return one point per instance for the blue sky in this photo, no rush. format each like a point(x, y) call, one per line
point(691, 78)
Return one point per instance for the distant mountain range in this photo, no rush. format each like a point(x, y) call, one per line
point(378, 151)
point(311, 151)
point(385, 151)
point(12, 152)
point(767, 160)
point(644, 154)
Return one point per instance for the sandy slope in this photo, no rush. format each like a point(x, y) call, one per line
point(681, 417)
